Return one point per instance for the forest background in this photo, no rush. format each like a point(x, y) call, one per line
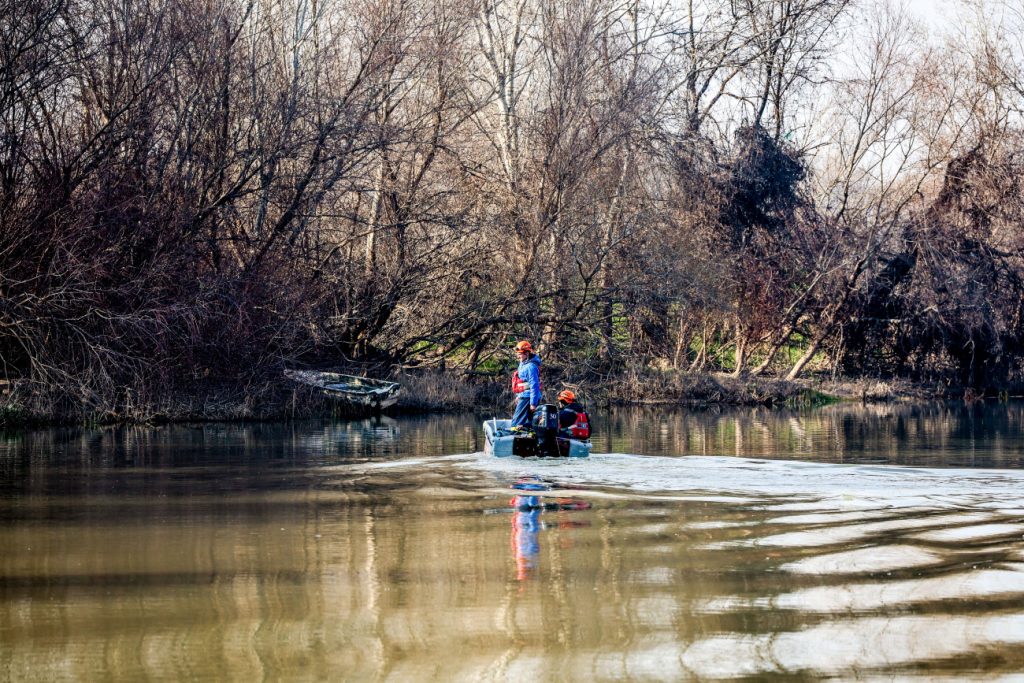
point(196, 195)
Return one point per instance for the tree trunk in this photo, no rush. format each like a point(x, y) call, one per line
point(374, 220)
point(804, 359)
point(701, 359)
point(829, 325)
point(741, 351)
point(682, 344)
point(772, 351)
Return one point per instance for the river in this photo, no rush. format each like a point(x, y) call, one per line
point(845, 542)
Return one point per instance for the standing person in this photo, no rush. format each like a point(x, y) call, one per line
point(526, 385)
point(572, 417)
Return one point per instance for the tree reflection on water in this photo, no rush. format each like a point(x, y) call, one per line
point(390, 550)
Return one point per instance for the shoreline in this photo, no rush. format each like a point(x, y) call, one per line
point(442, 392)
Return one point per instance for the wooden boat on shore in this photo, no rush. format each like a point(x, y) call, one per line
point(363, 392)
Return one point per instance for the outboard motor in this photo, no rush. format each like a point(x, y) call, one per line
point(545, 425)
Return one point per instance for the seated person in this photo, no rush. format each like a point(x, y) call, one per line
point(573, 420)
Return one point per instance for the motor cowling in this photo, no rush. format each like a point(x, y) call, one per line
point(545, 426)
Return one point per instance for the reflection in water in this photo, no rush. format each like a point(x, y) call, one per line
point(526, 522)
point(936, 434)
point(381, 550)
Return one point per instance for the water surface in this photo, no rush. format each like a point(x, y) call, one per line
point(848, 542)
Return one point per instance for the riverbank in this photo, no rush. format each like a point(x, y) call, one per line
point(448, 392)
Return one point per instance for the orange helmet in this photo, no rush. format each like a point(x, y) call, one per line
point(566, 396)
point(524, 346)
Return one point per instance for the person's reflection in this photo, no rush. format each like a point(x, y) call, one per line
point(526, 522)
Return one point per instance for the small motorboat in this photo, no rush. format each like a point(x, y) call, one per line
point(365, 392)
point(503, 441)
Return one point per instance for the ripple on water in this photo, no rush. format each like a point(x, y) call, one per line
point(863, 643)
point(971, 533)
point(865, 560)
point(781, 485)
point(862, 597)
point(822, 536)
point(836, 517)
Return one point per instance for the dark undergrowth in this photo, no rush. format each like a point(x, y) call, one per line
point(435, 391)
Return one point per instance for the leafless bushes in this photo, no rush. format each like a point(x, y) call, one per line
point(204, 193)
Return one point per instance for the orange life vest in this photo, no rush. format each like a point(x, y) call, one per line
point(581, 428)
point(519, 386)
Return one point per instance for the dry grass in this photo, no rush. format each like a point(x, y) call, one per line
point(875, 390)
point(679, 387)
point(436, 391)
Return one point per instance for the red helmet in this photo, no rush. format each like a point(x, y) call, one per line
point(524, 346)
point(566, 396)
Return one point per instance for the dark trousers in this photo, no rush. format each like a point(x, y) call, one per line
point(521, 416)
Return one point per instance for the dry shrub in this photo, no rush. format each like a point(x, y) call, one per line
point(869, 390)
point(437, 391)
point(680, 387)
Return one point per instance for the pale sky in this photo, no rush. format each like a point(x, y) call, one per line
point(932, 12)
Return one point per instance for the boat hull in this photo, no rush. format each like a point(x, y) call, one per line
point(502, 443)
point(361, 392)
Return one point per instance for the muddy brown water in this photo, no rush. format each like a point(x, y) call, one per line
point(848, 542)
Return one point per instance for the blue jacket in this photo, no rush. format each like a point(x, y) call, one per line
point(529, 374)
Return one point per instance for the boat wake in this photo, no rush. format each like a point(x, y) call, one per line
point(867, 568)
point(782, 484)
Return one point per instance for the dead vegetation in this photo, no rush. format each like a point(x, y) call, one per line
point(194, 197)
